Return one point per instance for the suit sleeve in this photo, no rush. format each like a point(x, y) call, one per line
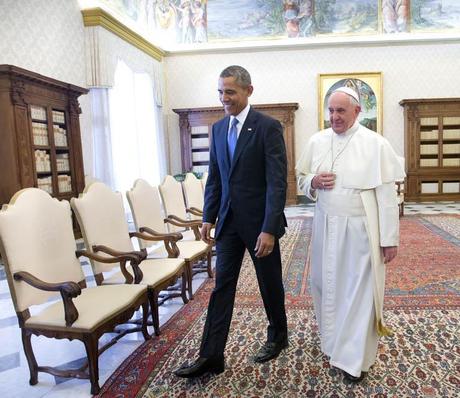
point(275, 178)
point(213, 189)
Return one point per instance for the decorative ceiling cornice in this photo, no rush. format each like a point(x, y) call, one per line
point(99, 17)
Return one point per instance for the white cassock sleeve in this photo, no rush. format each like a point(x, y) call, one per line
point(304, 183)
point(388, 214)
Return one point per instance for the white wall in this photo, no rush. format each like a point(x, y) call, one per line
point(419, 70)
point(44, 36)
point(47, 37)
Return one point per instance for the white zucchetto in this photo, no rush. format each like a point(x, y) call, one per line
point(349, 91)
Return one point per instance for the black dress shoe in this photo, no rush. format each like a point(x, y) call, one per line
point(353, 379)
point(201, 366)
point(270, 350)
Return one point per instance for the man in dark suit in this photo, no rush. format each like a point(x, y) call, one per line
point(245, 193)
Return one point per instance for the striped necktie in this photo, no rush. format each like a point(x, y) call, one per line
point(232, 137)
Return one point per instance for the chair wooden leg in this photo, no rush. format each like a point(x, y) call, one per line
point(91, 346)
point(145, 315)
point(153, 299)
point(28, 351)
point(189, 269)
point(183, 291)
point(209, 267)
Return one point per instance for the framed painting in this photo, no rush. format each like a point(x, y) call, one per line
point(369, 87)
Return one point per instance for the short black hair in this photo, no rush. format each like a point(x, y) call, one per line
point(241, 75)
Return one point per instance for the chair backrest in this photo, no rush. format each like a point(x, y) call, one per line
point(193, 192)
point(173, 200)
point(203, 180)
point(101, 216)
point(36, 236)
point(144, 201)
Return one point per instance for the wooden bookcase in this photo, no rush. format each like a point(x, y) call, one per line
point(196, 129)
point(432, 149)
point(40, 130)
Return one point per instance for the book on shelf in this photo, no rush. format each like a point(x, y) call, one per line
point(199, 130)
point(58, 117)
point(429, 187)
point(451, 134)
point(428, 162)
point(451, 120)
point(42, 161)
point(428, 149)
point(200, 142)
point(451, 162)
point(64, 183)
point(62, 162)
point(200, 156)
point(429, 121)
point(451, 149)
point(451, 187)
point(45, 183)
point(38, 113)
point(60, 136)
point(40, 133)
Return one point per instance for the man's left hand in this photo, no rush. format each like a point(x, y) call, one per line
point(389, 253)
point(264, 245)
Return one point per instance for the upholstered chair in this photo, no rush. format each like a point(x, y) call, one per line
point(144, 200)
point(101, 216)
point(176, 211)
point(39, 252)
point(194, 197)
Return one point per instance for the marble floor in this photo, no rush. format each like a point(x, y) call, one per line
point(14, 374)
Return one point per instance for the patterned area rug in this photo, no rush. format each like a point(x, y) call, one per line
point(422, 306)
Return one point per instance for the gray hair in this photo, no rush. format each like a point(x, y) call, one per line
point(354, 102)
point(241, 75)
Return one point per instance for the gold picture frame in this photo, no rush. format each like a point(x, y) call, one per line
point(369, 87)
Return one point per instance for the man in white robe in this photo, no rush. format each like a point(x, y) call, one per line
point(350, 171)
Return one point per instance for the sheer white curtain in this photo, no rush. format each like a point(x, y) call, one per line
point(102, 143)
point(127, 131)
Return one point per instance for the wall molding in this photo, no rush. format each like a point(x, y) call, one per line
point(99, 17)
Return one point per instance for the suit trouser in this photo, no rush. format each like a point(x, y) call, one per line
point(230, 247)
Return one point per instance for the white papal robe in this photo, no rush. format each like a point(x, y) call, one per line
point(351, 224)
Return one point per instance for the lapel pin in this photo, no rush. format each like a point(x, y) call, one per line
point(249, 129)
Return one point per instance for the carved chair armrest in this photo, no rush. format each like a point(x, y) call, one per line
point(193, 225)
point(105, 259)
point(149, 234)
point(168, 239)
point(134, 257)
point(195, 211)
point(68, 291)
point(139, 254)
point(179, 222)
point(399, 190)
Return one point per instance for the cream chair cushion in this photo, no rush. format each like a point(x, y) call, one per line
point(188, 250)
point(155, 271)
point(109, 299)
point(102, 219)
point(39, 242)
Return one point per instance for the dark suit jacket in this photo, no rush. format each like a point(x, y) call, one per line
point(253, 185)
